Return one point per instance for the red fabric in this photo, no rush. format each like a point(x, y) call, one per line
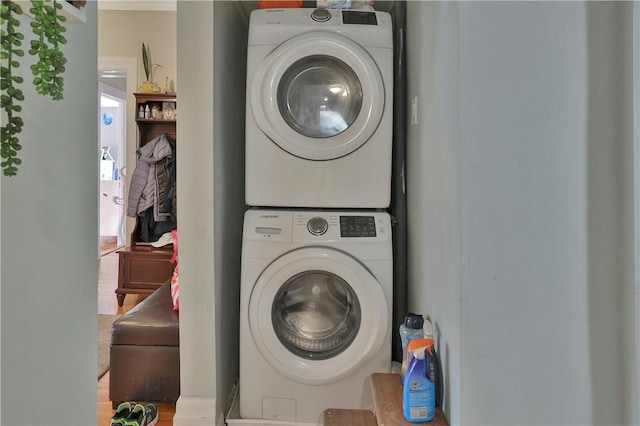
point(175, 290)
point(175, 285)
point(271, 4)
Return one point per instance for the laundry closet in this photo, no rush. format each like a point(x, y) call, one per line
point(224, 164)
point(481, 256)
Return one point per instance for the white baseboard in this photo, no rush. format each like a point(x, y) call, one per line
point(197, 411)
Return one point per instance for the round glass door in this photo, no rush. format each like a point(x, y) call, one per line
point(306, 315)
point(318, 96)
point(316, 315)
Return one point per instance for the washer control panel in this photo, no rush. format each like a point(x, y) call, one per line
point(318, 226)
point(324, 226)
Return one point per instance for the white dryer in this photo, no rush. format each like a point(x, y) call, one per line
point(319, 108)
point(315, 314)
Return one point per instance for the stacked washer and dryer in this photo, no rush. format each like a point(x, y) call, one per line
point(316, 280)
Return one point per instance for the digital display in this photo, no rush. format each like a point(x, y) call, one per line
point(359, 17)
point(357, 226)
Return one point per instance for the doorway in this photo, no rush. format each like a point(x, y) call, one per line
point(117, 80)
point(111, 148)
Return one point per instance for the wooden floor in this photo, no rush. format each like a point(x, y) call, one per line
point(106, 248)
point(108, 304)
point(165, 411)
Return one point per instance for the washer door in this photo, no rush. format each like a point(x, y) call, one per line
point(316, 314)
point(318, 96)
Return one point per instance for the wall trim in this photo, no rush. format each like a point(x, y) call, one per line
point(197, 411)
point(636, 191)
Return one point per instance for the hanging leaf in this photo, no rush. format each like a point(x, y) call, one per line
point(145, 61)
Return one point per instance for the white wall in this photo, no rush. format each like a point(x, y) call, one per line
point(630, 294)
point(231, 29)
point(211, 203)
point(49, 247)
point(195, 180)
point(629, 298)
point(540, 145)
point(433, 180)
point(120, 37)
point(539, 244)
point(122, 33)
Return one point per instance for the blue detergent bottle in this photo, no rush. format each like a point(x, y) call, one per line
point(410, 329)
point(418, 393)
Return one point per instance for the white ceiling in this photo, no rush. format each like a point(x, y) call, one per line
point(158, 5)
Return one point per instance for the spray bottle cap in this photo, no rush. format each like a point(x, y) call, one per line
point(414, 321)
point(418, 346)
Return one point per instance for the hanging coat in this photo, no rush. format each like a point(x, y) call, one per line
point(143, 186)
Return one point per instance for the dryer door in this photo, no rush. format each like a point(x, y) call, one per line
point(316, 314)
point(318, 96)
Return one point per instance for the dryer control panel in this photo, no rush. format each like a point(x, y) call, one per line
point(275, 26)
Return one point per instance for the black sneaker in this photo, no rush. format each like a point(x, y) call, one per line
point(142, 416)
point(122, 412)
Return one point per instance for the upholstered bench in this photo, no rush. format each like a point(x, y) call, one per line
point(145, 352)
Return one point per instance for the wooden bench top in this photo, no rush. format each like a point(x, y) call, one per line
point(342, 417)
point(387, 399)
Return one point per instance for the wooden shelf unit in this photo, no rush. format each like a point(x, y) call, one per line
point(142, 267)
point(150, 128)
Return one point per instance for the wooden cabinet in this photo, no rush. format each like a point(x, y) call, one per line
point(149, 127)
point(161, 112)
point(142, 269)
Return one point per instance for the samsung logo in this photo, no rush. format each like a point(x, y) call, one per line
point(268, 216)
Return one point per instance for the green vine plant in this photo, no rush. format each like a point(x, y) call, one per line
point(11, 40)
point(51, 61)
point(47, 27)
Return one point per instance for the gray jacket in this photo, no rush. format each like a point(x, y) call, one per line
point(143, 186)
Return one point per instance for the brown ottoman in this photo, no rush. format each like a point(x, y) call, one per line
point(145, 352)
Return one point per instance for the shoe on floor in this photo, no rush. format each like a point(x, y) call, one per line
point(122, 412)
point(142, 415)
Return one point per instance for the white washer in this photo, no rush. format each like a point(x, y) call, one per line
point(319, 108)
point(315, 314)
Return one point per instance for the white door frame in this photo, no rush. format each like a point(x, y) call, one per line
point(118, 96)
point(130, 68)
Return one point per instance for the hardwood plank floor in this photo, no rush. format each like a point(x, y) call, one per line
point(105, 412)
point(108, 304)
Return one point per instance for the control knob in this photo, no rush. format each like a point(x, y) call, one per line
point(317, 226)
point(321, 15)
